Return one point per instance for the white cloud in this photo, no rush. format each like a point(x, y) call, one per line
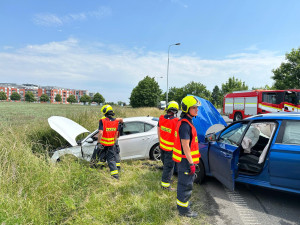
point(47, 19)
point(50, 19)
point(114, 71)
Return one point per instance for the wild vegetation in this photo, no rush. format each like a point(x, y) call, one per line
point(35, 191)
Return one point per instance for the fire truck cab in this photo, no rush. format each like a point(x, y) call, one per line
point(241, 104)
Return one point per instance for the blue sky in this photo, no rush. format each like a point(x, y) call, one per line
point(108, 46)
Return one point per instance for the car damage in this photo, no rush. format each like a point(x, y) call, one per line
point(138, 140)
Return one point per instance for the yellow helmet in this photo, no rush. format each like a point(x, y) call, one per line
point(188, 102)
point(173, 107)
point(106, 108)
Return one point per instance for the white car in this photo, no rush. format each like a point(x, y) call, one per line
point(138, 140)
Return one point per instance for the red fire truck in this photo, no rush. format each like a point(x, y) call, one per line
point(241, 104)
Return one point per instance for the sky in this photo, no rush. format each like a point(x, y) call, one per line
point(108, 46)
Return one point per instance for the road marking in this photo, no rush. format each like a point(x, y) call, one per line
point(246, 214)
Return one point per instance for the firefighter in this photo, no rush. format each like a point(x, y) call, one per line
point(186, 154)
point(165, 130)
point(108, 134)
point(97, 151)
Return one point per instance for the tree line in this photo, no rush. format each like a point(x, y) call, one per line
point(148, 92)
point(29, 97)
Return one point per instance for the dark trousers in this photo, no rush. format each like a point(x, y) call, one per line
point(108, 154)
point(117, 155)
point(184, 187)
point(168, 168)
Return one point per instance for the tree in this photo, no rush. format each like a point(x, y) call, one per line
point(197, 89)
point(58, 98)
point(15, 96)
point(146, 93)
point(85, 99)
point(266, 87)
point(233, 84)
point(287, 75)
point(110, 103)
point(3, 95)
point(71, 99)
point(98, 98)
point(175, 94)
point(44, 98)
point(121, 103)
point(29, 97)
point(192, 88)
point(216, 97)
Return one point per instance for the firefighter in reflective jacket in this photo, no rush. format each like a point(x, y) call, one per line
point(186, 154)
point(116, 146)
point(108, 134)
point(166, 130)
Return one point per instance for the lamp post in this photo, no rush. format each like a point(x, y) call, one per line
point(168, 72)
point(157, 83)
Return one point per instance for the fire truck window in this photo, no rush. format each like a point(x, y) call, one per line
point(269, 97)
point(291, 97)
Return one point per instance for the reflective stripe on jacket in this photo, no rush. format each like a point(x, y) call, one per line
point(109, 131)
point(177, 151)
point(167, 130)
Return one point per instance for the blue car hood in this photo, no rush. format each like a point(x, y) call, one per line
point(207, 116)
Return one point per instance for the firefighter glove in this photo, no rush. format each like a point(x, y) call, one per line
point(192, 169)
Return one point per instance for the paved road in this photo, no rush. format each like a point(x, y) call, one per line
point(227, 120)
point(250, 205)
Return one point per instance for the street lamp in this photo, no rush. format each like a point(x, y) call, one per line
point(168, 71)
point(158, 77)
point(158, 96)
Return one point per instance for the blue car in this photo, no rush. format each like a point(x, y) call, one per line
point(262, 150)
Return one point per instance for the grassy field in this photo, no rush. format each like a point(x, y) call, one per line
point(35, 191)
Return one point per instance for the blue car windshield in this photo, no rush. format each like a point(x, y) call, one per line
point(232, 135)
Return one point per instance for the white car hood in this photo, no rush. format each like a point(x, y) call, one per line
point(67, 128)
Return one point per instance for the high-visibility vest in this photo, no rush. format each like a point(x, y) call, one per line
point(167, 130)
point(109, 131)
point(177, 151)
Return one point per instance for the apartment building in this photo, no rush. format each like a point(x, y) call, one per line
point(9, 88)
point(50, 91)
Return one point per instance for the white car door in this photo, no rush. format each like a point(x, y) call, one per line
point(134, 142)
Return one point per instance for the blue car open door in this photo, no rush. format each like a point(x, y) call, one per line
point(224, 154)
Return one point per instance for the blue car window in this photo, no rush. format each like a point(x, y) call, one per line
point(232, 135)
point(291, 134)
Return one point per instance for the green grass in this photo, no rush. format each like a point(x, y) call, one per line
point(35, 191)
